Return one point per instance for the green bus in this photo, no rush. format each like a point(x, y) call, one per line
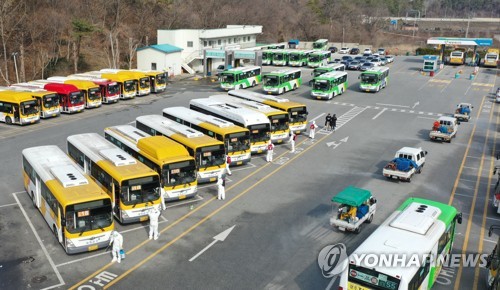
point(240, 78)
point(329, 85)
point(419, 230)
point(320, 44)
point(282, 81)
point(299, 57)
point(319, 58)
point(267, 57)
point(374, 79)
point(280, 57)
point(327, 68)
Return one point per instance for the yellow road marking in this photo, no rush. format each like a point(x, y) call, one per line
point(211, 215)
point(192, 212)
point(473, 205)
point(486, 201)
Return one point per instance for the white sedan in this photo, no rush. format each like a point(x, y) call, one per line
point(344, 50)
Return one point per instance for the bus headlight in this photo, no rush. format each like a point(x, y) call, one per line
point(70, 244)
point(124, 214)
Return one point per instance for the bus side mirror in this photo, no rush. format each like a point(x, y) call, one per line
point(459, 218)
point(63, 222)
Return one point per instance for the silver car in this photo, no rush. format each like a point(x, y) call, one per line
point(383, 61)
point(389, 58)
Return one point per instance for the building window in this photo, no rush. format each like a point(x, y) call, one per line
point(219, 42)
point(205, 43)
point(189, 44)
point(235, 40)
point(153, 66)
point(210, 43)
point(249, 38)
point(229, 41)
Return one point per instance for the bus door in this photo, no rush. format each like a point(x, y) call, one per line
point(16, 109)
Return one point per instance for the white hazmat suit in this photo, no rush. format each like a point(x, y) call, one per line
point(221, 193)
point(312, 129)
point(117, 241)
point(153, 214)
point(270, 150)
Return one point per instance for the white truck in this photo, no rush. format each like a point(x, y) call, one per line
point(405, 164)
point(463, 111)
point(352, 207)
point(444, 129)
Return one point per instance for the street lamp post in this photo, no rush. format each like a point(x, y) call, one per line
point(415, 20)
point(14, 54)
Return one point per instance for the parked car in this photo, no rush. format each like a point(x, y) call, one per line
point(383, 60)
point(376, 62)
point(220, 69)
point(367, 51)
point(333, 49)
point(359, 58)
point(344, 50)
point(370, 57)
point(381, 51)
point(366, 66)
point(354, 50)
point(337, 60)
point(389, 58)
point(354, 65)
point(347, 57)
point(346, 62)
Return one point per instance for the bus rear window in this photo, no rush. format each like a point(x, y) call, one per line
point(372, 279)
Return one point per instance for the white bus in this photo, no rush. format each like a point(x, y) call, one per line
point(417, 238)
point(209, 153)
point(133, 187)
point(76, 209)
point(279, 119)
point(297, 112)
point(236, 139)
point(256, 122)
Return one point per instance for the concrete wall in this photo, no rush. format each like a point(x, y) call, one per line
point(170, 62)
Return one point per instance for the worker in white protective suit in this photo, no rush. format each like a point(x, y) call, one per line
point(270, 151)
point(153, 214)
point(221, 192)
point(117, 241)
point(312, 129)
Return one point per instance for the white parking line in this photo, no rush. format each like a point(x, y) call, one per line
point(319, 116)
point(392, 105)
point(379, 113)
point(426, 118)
point(10, 204)
point(59, 277)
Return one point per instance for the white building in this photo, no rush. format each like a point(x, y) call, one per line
point(162, 57)
point(193, 41)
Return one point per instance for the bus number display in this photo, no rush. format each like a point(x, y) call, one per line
point(83, 213)
point(255, 131)
point(234, 139)
point(136, 187)
point(275, 121)
point(207, 154)
point(175, 171)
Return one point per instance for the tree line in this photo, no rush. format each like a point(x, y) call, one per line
point(41, 38)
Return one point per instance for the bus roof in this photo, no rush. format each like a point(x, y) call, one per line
point(93, 78)
point(283, 71)
point(412, 231)
point(271, 100)
point(131, 74)
point(238, 114)
point(331, 75)
point(56, 87)
point(183, 134)
point(16, 96)
point(159, 148)
point(113, 76)
point(151, 72)
point(321, 52)
point(118, 163)
point(301, 51)
point(322, 40)
point(448, 212)
point(256, 106)
point(206, 121)
point(80, 84)
point(63, 176)
point(241, 69)
point(376, 70)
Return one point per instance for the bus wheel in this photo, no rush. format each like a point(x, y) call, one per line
point(55, 232)
point(8, 121)
point(378, 89)
point(254, 84)
point(294, 87)
point(341, 91)
point(33, 199)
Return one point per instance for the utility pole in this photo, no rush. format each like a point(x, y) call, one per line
point(14, 54)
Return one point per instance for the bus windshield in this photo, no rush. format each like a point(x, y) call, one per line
point(94, 94)
point(259, 133)
point(129, 86)
point(50, 101)
point(113, 89)
point(298, 114)
point(238, 142)
point(369, 78)
point(161, 79)
point(179, 173)
point(271, 81)
point(372, 279)
point(295, 56)
point(227, 78)
point(320, 71)
point(88, 216)
point(211, 155)
point(279, 122)
point(76, 98)
point(144, 83)
point(140, 190)
point(278, 56)
point(267, 55)
point(29, 107)
point(314, 58)
point(321, 85)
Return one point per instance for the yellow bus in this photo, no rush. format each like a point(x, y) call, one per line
point(171, 160)
point(208, 152)
point(457, 57)
point(279, 130)
point(157, 79)
point(236, 139)
point(142, 83)
point(17, 107)
point(75, 208)
point(91, 92)
point(297, 112)
point(48, 100)
point(128, 87)
point(133, 187)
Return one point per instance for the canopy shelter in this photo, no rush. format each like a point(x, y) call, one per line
point(352, 196)
point(457, 41)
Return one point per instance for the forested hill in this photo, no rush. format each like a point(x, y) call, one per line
point(58, 36)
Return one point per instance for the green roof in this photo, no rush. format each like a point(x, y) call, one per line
point(166, 48)
point(352, 196)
